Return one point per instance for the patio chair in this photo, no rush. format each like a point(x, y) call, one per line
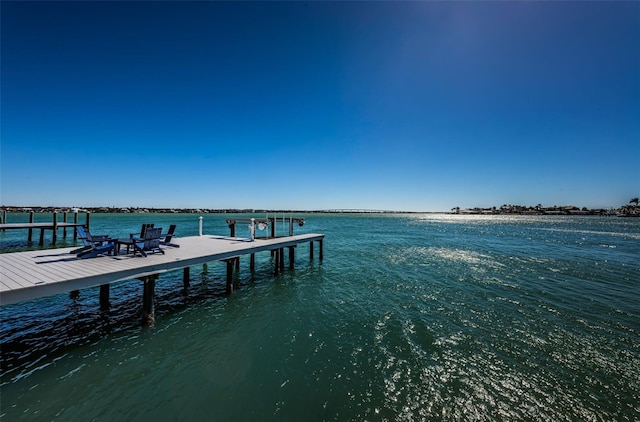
point(88, 240)
point(143, 230)
point(149, 244)
point(94, 245)
point(133, 237)
point(168, 236)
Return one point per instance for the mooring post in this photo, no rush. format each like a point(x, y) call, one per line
point(30, 230)
point(64, 229)
point(147, 299)
point(54, 238)
point(232, 229)
point(252, 263)
point(4, 217)
point(185, 278)
point(237, 263)
point(276, 254)
point(311, 250)
point(320, 246)
point(229, 275)
point(104, 297)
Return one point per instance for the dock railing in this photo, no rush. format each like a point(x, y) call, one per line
point(268, 223)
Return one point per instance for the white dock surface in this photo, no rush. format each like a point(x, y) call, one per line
point(33, 274)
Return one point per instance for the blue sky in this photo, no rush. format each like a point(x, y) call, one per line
point(419, 106)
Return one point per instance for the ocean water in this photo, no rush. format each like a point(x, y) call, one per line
point(408, 318)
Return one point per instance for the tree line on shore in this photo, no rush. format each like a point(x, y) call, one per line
point(631, 210)
point(140, 210)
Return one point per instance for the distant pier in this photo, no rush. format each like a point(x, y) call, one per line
point(54, 225)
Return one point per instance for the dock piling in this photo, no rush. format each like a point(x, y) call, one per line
point(281, 259)
point(292, 257)
point(276, 261)
point(229, 275)
point(148, 299)
point(75, 221)
point(104, 297)
point(30, 235)
point(185, 278)
point(54, 237)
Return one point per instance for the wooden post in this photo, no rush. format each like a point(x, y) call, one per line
point(229, 275)
point(54, 237)
point(104, 297)
point(232, 230)
point(88, 221)
point(292, 257)
point(237, 263)
point(64, 229)
point(290, 226)
point(276, 253)
point(252, 263)
point(147, 299)
point(41, 242)
point(4, 217)
point(311, 250)
point(185, 278)
point(75, 221)
point(30, 230)
point(281, 259)
point(273, 227)
point(320, 246)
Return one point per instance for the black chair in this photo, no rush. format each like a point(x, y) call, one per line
point(143, 230)
point(168, 236)
point(149, 244)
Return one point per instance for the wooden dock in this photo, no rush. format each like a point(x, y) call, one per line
point(34, 274)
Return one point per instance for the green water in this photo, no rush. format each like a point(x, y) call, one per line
point(413, 317)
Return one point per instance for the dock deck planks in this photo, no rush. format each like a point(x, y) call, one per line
point(34, 274)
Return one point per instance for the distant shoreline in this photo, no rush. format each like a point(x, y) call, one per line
point(624, 211)
point(151, 210)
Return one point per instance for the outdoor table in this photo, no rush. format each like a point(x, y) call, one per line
point(128, 241)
